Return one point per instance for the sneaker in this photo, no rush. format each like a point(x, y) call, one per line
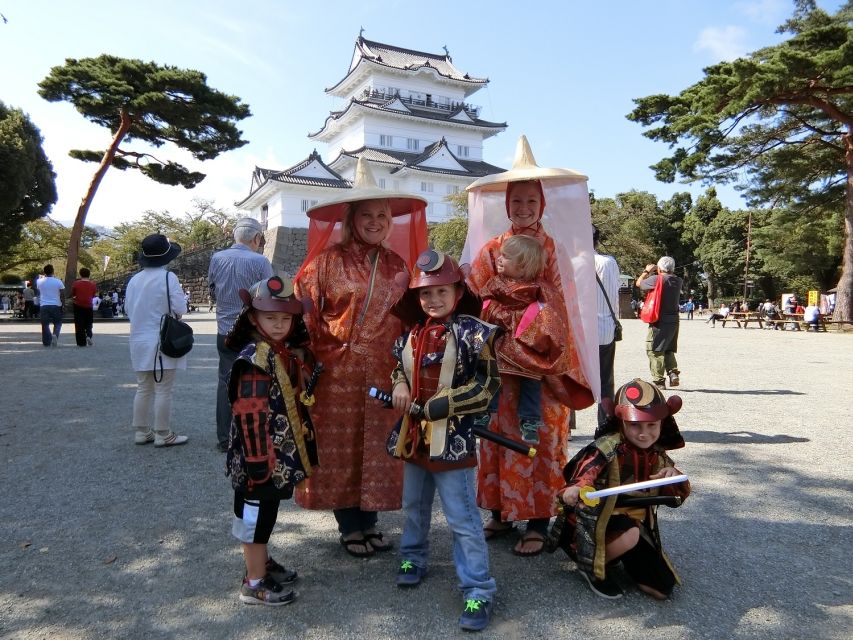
point(279, 573)
point(660, 384)
point(409, 574)
point(476, 615)
point(530, 430)
point(143, 437)
point(605, 588)
point(171, 439)
point(89, 342)
point(673, 378)
point(54, 341)
point(268, 592)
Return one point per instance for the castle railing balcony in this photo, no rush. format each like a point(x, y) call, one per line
point(374, 95)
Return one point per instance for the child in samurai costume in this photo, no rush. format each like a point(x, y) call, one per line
point(633, 449)
point(446, 375)
point(531, 312)
point(271, 445)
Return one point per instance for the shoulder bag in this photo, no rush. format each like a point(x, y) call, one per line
point(176, 336)
point(651, 307)
point(617, 326)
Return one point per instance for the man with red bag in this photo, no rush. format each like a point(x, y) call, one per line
point(660, 310)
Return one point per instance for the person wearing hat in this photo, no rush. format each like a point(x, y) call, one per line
point(550, 206)
point(446, 375)
point(271, 445)
point(358, 244)
point(146, 301)
point(633, 448)
point(662, 336)
point(237, 267)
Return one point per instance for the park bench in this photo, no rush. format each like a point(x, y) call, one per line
point(743, 318)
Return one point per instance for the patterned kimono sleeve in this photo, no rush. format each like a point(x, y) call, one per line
point(471, 397)
point(308, 288)
point(587, 470)
point(398, 375)
point(250, 410)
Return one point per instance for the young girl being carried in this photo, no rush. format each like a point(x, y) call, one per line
point(530, 310)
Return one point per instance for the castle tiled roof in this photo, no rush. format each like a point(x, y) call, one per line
point(405, 160)
point(406, 60)
point(395, 107)
point(333, 180)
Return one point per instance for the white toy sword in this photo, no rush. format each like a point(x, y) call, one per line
point(592, 498)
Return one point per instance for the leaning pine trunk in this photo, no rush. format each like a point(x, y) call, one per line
point(80, 220)
point(844, 291)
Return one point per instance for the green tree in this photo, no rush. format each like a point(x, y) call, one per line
point(449, 236)
point(146, 102)
point(778, 121)
point(27, 189)
point(42, 241)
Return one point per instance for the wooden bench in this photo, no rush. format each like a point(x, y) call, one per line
point(742, 319)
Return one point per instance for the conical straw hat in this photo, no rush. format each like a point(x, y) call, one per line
point(524, 167)
point(364, 188)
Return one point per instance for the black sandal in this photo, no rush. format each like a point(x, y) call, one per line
point(371, 537)
point(357, 542)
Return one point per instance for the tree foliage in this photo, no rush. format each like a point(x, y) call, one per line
point(449, 236)
point(779, 122)
point(27, 188)
point(145, 102)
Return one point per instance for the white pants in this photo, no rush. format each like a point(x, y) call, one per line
point(153, 397)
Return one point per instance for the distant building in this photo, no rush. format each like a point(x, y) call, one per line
point(405, 111)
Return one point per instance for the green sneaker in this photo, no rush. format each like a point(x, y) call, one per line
point(409, 574)
point(476, 615)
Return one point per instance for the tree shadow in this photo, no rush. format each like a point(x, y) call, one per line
point(749, 392)
point(737, 437)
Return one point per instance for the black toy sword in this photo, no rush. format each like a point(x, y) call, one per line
point(416, 410)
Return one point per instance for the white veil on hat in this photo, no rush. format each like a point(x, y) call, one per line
point(567, 219)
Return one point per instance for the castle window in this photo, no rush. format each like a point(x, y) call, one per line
point(307, 204)
point(386, 141)
point(265, 213)
point(413, 144)
point(426, 187)
point(462, 151)
point(381, 183)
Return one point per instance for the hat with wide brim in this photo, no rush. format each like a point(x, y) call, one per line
point(157, 251)
point(364, 188)
point(524, 168)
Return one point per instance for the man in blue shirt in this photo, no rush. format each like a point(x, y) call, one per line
point(237, 267)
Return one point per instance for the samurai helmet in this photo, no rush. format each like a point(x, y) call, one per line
point(272, 294)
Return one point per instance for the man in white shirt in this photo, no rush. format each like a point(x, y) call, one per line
point(607, 271)
point(51, 302)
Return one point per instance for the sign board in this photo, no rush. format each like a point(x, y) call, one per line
point(813, 298)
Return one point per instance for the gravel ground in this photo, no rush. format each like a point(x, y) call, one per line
point(103, 539)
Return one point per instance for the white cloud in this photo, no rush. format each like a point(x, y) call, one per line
point(726, 43)
point(765, 11)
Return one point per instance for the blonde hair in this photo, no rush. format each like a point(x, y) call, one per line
point(348, 226)
point(528, 252)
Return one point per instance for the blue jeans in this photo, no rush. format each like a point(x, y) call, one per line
point(48, 314)
point(458, 500)
point(529, 399)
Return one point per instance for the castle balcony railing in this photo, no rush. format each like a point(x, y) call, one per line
point(377, 96)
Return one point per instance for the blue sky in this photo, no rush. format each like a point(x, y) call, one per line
point(564, 73)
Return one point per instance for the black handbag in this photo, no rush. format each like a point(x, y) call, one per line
point(176, 336)
point(617, 328)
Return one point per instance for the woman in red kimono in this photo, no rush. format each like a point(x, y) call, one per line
point(352, 284)
point(512, 487)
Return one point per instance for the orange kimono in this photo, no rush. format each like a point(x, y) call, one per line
point(518, 487)
point(352, 332)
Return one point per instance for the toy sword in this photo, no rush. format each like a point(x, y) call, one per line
point(591, 498)
point(416, 410)
point(307, 396)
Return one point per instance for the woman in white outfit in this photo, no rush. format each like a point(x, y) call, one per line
point(145, 303)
